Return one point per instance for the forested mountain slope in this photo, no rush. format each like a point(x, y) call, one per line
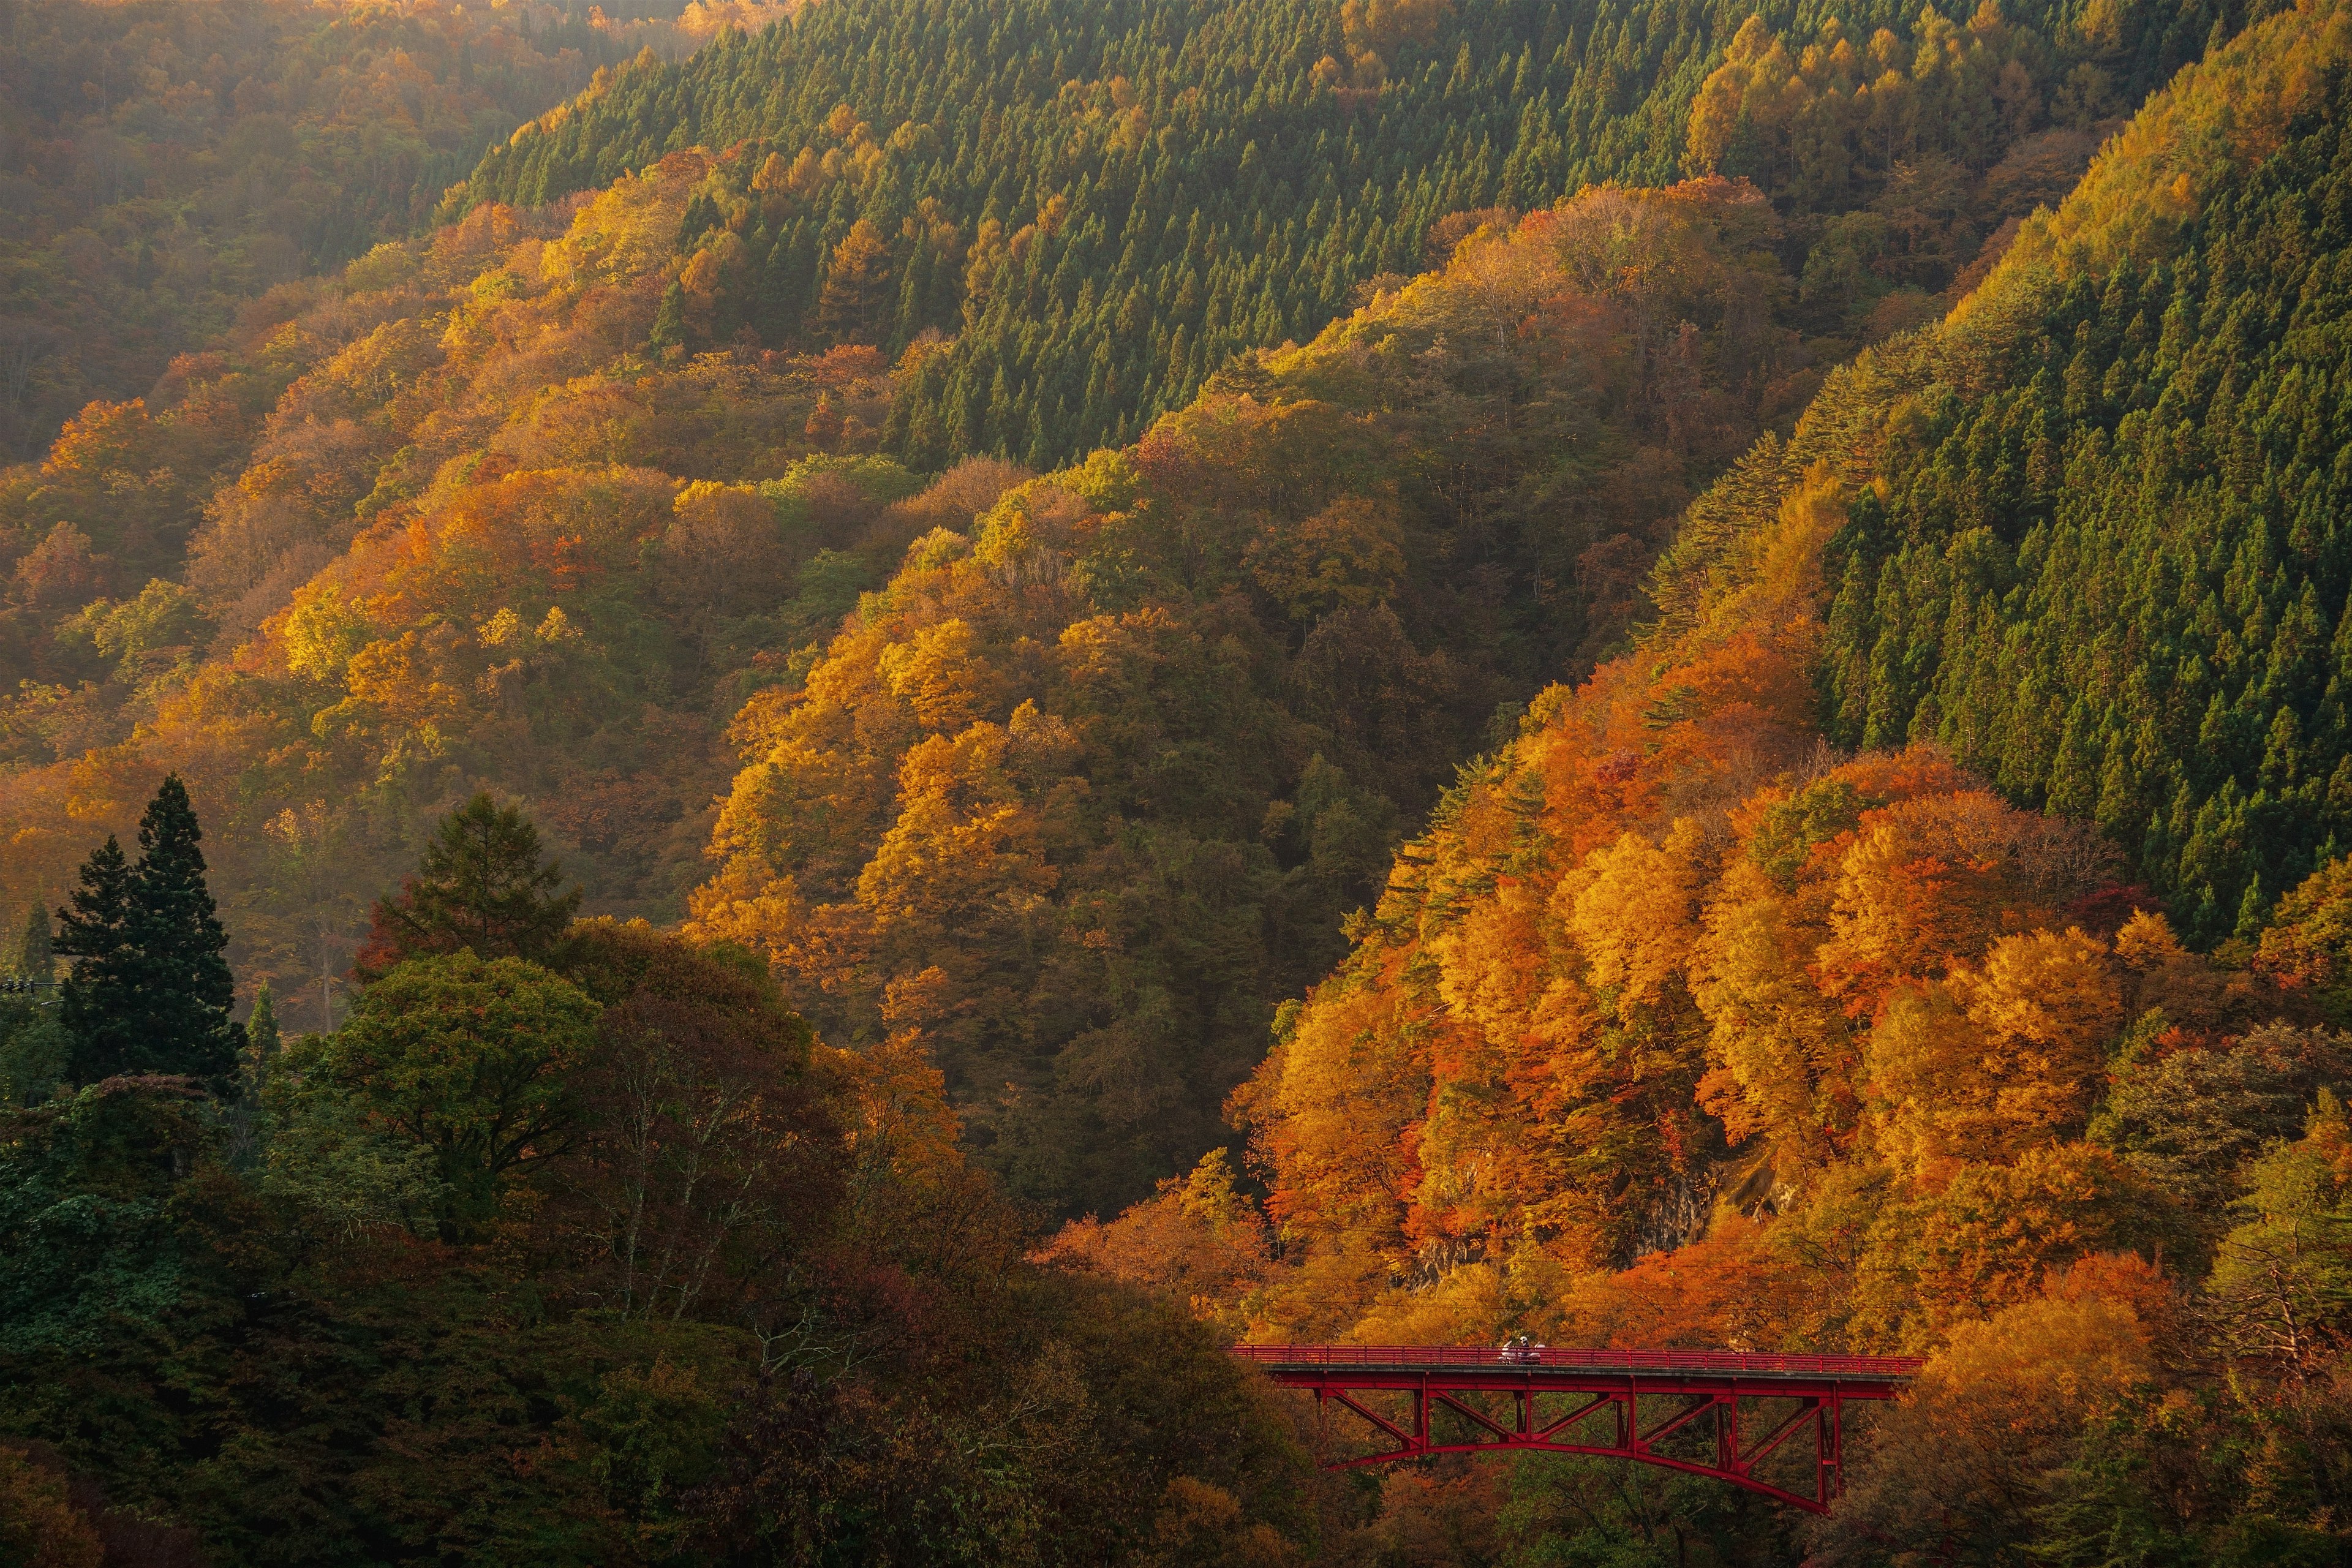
point(1087, 786)
point(540, 502)
point(1100, 203)
point(519, 547)
point(1716, 1003)
point(166, 162)
point(471, 492)
point(2110, 570)
point(1680, 1027)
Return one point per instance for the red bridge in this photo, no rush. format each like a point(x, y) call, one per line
point(1772, 1424)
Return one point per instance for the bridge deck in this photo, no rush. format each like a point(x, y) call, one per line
point(1660, 1363)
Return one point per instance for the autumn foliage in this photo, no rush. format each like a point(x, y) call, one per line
point(1677, 1027)
point(1586, 762)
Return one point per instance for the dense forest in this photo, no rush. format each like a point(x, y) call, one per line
point(718, 844)
point(1085, 790)
point(1681, 1026)
point(270, 574)
point(163, 163)
point(2111, 576)
point(570, 1247)
point(1097, 205)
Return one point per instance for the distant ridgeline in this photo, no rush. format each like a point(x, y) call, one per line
point(160, 165)
point(1100, 203)
point(2113, 573)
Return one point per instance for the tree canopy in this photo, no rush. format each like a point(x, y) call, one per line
point(1679, 1027)
point(1738, 755)
point(2107, 573)
point(1098, 204)
point(528, 1266)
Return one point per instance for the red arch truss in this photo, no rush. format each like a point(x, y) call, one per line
point(1709, 1413)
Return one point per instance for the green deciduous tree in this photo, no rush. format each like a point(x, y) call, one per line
point(90, 1249)
point(2283, 1282)
point(707, 1160)
point(33, 1042)
point(33, 1051)
point(467, 1058)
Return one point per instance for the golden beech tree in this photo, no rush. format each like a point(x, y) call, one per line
point(1734, 1290)
point(1200, 1240)
point(1631, 910)
point(1995, 1410)
point(1782, 1055)
point(1940, 876)
point(1350, 553)
point(964, 851)
point(1333, 1103)
point(2047, 1004)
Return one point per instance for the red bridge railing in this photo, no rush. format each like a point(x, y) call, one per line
point(1873, 1368)
point(1773, 1424)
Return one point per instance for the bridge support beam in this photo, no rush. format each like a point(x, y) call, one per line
point(1715, 1408)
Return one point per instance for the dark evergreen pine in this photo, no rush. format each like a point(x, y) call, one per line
point(481, 889)
point(99, 996)
point(669, 319)
point(150, 990)
point(180, 939)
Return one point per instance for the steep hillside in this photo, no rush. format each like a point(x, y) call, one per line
point(540, 502)
point(1897, 897)
point(1914, 916)
point(478, 536)
point(1504, 995)
point(486, 533)
point(1100, 203)
point(1679, 1025)
point(1086, 788)
point(166, 162)
point(2110, 569)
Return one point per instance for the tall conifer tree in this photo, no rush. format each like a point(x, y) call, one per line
point(94, 931)
point(261, 1028)
point(150, 990)
point(180, 934)
point(481, 889)
point(669, 319)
